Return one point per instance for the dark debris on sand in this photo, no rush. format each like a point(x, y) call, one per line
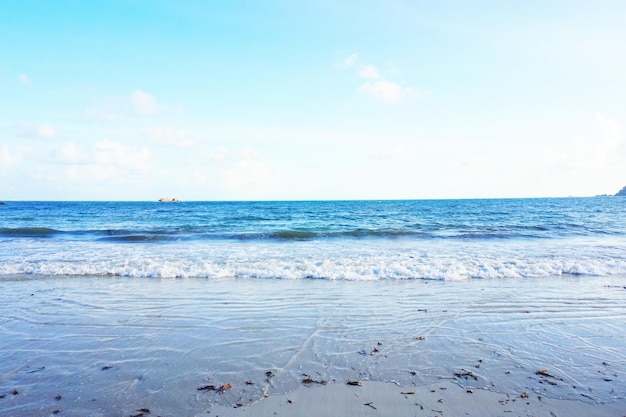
point(309, 380)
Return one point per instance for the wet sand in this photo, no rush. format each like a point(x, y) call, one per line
point(106, 346)
point(379, 399)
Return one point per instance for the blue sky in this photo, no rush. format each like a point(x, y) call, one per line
point(263, 100)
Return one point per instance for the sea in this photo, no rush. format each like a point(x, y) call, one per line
point(328, 240)
point(110, 308)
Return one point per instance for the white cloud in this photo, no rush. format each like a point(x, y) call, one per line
point(383, 89)
point(23, 78)
point(8, 160)
point(590, 161)
point(113, 109)
point(114, 154)
point(105, 161)
point(103, 113)
point(169, 136)
point(399, 153)
point(32, 130)
point(144, 103)
point(369, 72)
point(350, 61)
point(609, 128)
point(597, 150)
point(70, 154)
point(387, 91)
point(474, 164)
point(247, 171)
point(219, 154)
point(73, 174)
point(46, 131)
point(200, 179)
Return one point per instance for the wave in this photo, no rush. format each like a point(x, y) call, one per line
point(433, 273)
point(311, 234)
point(198, 233)
point(263, 262)
point(29, 232)
point(134, 238)
point(294, 235)
point(191, 233)
point(259, 232)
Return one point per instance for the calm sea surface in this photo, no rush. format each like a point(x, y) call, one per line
point(333, 240)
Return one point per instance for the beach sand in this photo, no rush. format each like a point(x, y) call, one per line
point(380, 399)
point(110, 346)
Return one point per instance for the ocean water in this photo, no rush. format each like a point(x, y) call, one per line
point(331, 240)
point(112, 307)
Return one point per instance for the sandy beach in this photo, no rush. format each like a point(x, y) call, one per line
point(107, 346)
point(378, 399)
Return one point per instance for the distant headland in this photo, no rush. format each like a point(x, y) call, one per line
point(621, 193)
point(169, 200)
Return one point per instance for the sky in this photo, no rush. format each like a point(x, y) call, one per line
point(306, 100)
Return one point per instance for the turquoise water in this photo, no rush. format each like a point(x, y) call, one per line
point(354, 240)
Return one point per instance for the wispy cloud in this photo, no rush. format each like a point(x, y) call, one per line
point(169, 136)
point(396, 153)
point(69, 154)
point(350, 61)
point(7, 158)
point(144, 103)
point(369, 72)
point(103, 113)
point(108, 152)
point(380, 87)
point(105, 161)
point(243, 169)
point(598, 150)
point(33, 130)
point(219, 154)
point(23, 78)
point(11, 157)
point(610, 129)
point(388, 92)
point(113, 109)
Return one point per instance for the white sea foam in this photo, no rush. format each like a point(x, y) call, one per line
point(315, 260)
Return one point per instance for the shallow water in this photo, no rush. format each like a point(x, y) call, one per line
point(111, 345)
